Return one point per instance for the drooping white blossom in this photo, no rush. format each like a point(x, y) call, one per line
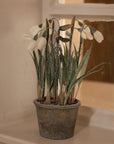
point(28, 36)
point(32, 46)
point(86, 33)
point(34, 30)
point(40, 44)
point(98, 36)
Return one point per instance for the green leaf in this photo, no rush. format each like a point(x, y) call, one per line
point(76, 53)
point(82, 62)
point(36, 64)
point(63, 39)
point(80, 78)
point(44, 34)
point(80, 46)
point(65, 27)
point(80, 23)
point(84, 68)
point(93, 29)
point(50, 20)
point(79, 69)
point(68, 33)
point(35, 37)
point(79, 29)
point(40, 25)
point(41, 68)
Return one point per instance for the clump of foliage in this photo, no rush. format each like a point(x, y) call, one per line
point(58, 63)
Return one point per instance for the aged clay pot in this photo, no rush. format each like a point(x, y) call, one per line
point(55, 121)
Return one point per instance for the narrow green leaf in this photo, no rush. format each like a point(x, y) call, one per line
point(36, 64)
point(81, 64)
point(68, 33)
point(50, 20)
point(80, 46)
point(63, 39)
point(40, 25)
point(65, 27)
point(35, 37)
point(80, 78)
point(80, 23)
point(44, 34)
point(79, 29)
point(93, 29)
point(84, 67)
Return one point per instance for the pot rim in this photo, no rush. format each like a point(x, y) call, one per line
point(51, 106)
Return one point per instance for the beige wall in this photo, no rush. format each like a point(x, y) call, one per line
point(97, 94)
point(17, 73)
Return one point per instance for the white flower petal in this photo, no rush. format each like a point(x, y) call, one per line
point(83, 35)
point(34, 30)
point(89, 36)
point(28, 36)
point(98, 36)
point(41, 43)
point(86, 29)
point(32, 46)
point(86, 33)
point(44, 25)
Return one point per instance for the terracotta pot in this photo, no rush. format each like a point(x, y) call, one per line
point(55, 121)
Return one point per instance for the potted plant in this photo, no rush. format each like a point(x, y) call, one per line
point(59, 69)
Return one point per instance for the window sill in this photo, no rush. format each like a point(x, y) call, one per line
point(93, 127)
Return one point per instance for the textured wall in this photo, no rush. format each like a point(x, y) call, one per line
point(17, 73)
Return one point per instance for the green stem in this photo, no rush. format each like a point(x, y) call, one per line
point(56, 68)
point(78, 58)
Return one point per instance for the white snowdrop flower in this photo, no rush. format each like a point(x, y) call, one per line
point(28, 36)
point(41, 43)
point(83, 35)
point(32, 46)
point(34, 30)
point(98, 36)
point(86, 29)
point(89, 36)
point(86, 33)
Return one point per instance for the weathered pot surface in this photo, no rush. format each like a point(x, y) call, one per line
point(55, 121)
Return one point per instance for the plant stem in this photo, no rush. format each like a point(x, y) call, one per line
point(46, 64)
point(43, 87)
point(56, 68)
point(69, 54)
point(78, 58)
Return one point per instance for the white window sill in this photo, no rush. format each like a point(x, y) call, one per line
point(93, 127)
